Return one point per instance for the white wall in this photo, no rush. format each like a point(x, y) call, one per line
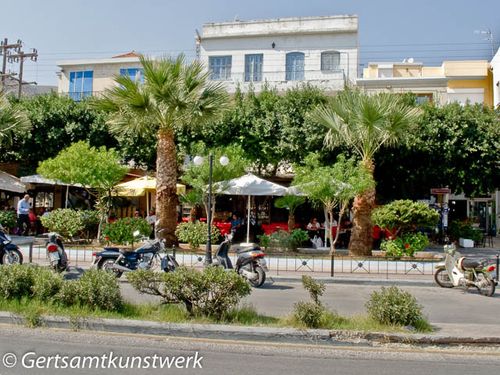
point(311, 44)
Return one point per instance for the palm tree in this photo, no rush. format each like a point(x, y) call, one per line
point(365, 123)
point(174, 94)
point(12, 120)
point(291, 203)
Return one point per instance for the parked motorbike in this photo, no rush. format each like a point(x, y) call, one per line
point(56, 253)
point(9, 252)
point(145, 257)
point(250, 262)
point(459, 271)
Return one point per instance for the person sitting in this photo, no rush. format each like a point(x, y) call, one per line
point(314, 226)
point(236, 226)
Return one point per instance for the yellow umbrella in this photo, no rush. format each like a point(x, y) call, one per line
point(141, 186)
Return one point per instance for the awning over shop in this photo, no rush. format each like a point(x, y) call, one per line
point(9, 182)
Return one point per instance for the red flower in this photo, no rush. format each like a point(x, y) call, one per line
point(407, 245)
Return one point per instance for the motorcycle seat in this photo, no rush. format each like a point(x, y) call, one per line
point(111, 248)
point(468, 264)
point(245, 249)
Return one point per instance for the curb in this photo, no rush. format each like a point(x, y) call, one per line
point(248, 333)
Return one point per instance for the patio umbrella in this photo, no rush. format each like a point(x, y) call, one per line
point(249, 185)
point(142, 186)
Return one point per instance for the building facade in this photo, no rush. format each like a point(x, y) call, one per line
point(495, 67)
point(83, 78)
point(281, 53)
point(453, 81)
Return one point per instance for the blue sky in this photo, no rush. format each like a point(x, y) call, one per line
point(427, 30)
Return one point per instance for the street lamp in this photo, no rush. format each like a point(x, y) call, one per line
point(198, 160)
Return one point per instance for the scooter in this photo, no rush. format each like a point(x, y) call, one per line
point(459, 271)
point(250, 262)
point(146, 257)
point(56, 254)
point(9, 253)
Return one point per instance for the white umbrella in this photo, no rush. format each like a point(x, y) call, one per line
point(249, 185)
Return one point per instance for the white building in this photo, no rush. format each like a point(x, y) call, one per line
point(82, 78)
point(281, 52)
point(495, 67)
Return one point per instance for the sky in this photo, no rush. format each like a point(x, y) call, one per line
point(389, 30)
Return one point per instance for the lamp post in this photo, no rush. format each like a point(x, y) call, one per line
point(198, 160)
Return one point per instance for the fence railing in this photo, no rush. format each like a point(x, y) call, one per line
point(81, 255)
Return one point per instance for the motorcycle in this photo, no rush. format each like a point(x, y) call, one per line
point(250, 262)
point(459, 271)
point(145, 257)
point(9, 252)
point(56, 253)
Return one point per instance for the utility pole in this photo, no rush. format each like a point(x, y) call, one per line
point(19, 57)
point(5, 47)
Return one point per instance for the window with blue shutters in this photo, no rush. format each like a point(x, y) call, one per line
point(135, 74)
point(80, 84)
point(220, 67)
point(295, 66)
point(253, 67)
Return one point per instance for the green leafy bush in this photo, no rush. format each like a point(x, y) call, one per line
point(282, 240)
point(65, 221)
point(407, 244)
point(121, 231)
point(195, 233)
point(394, 306)
point(212, 292)
point(311, 314)
point(405, 216)
point(17, 281)
point(8, 219)
point(464, 229)
point(96, 289)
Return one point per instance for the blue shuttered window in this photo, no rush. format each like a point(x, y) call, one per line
point(220, 67)
point(80, 84)
point(295, 66)
point(253, 67)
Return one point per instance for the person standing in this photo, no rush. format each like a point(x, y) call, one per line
point(23, 210)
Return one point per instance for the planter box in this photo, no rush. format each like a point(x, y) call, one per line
point(465, 242)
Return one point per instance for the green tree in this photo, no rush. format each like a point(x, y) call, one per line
point(174, 94)
point(95, 168)
point(365, 123)
point(197, 175)
point(291, 203)
point(456, 146)
point(57, 121)
point(332, 186)
point(13, 120)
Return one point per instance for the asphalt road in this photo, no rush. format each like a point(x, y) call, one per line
point(440, 305)
point(221, 357)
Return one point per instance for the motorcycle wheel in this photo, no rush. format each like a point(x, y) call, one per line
point(489, 289)
point(12, 257)
point(256, 283)
point(442, 279)
point(107, 265)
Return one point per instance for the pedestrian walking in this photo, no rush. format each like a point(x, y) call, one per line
point(23, 219)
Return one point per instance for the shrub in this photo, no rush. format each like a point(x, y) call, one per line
point(212, 292)
point(315, 288)
point(407, 244)
point(8, 219)
point(298, 237)
point(96, 289)
point(195, 233)
point(121, 232)
point(46, 284)
point(16, 281)
point(308, 313)
point(394, 306)
point(65, 221)
point(464, 229)
point(405, 216)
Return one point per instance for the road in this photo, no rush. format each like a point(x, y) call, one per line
point(440, 305)
point(245, 358)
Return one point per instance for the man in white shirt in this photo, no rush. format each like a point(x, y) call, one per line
point(23, 210)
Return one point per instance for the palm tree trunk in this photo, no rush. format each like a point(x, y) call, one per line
point(291, 222)
point(166, 190)
point(361, 242)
